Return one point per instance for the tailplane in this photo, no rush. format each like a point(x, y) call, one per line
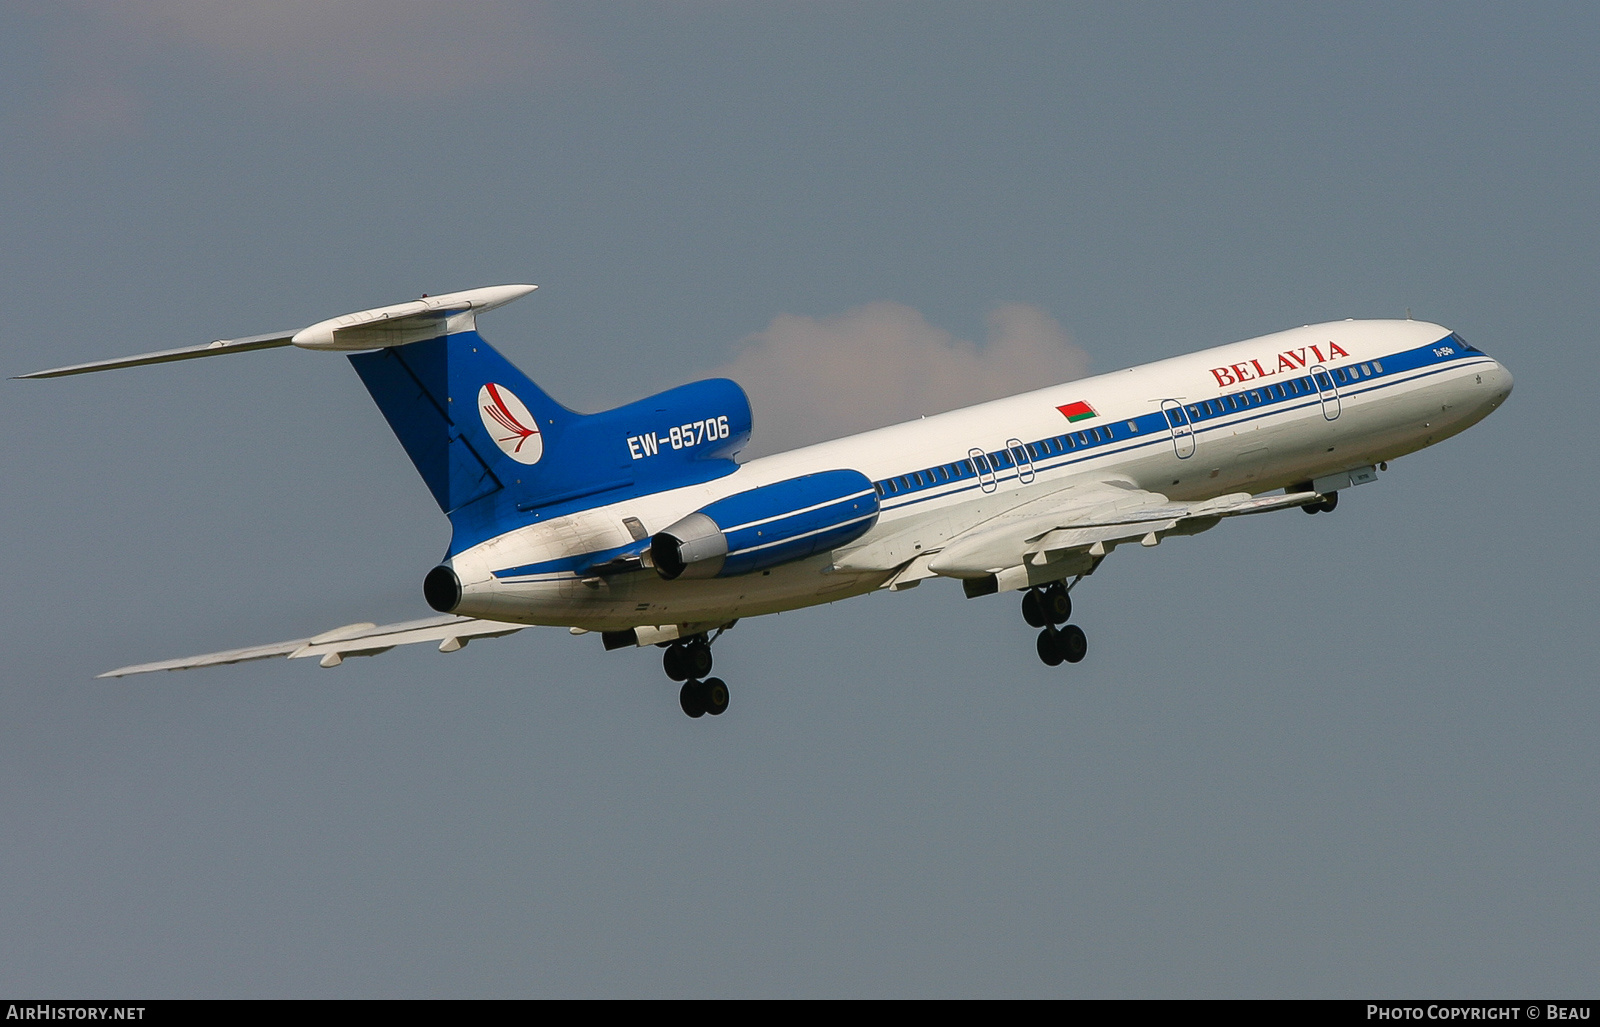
point(494, 449)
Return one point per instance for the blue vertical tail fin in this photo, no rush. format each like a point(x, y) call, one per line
point(497, 452)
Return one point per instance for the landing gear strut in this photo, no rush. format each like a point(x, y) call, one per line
point(1045, 608)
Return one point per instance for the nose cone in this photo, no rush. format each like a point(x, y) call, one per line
point(1504, 375)
point(1490, 390)
point(1498, 381)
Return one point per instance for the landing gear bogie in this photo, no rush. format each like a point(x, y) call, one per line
point(689, 660)
point(1049, 608)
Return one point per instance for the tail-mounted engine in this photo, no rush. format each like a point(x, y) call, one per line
point(764, 527)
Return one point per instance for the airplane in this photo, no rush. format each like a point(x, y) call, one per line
point(642, 525)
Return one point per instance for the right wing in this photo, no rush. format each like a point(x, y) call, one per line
point(449, 631)
point(1065, 532)
point(1089, 520)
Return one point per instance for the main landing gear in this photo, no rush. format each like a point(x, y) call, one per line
point(1046, 608)
point(689, 661)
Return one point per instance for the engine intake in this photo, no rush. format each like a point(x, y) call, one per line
point(764, 527)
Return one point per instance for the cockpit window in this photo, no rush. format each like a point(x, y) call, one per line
point(1463, 344)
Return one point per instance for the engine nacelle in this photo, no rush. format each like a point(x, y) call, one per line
point(761, 528)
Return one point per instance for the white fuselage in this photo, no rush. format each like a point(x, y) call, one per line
point(1392, 387)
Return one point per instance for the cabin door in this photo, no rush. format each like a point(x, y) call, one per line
point(1327, 391)
point(1182, 430)
point(987, 480)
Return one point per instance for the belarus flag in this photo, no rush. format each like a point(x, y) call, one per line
point(1078, 411)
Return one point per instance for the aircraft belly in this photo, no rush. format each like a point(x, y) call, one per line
point(642, 597)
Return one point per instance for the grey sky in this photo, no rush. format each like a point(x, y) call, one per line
point(1347, 755)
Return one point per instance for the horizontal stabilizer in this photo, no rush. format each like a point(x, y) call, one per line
point(271, 340)
point(450, 632)
point(394, 325)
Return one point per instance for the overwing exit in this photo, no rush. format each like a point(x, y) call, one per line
point(642, 525)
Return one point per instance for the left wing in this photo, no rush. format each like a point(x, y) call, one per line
point(450, 632)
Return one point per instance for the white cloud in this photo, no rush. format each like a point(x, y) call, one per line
point(811, 379)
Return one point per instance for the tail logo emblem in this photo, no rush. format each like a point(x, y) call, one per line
point(508, 422)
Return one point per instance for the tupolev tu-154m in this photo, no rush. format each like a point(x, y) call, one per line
point(641, 524)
